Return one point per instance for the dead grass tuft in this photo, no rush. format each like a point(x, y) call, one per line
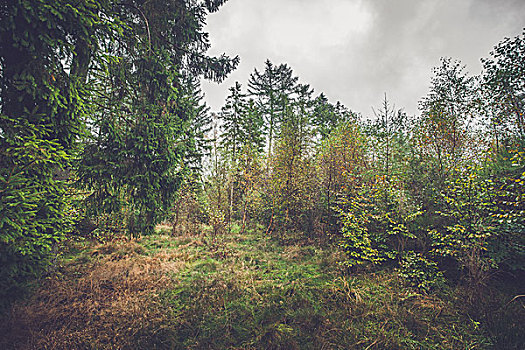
point(292, 252)
point(112, 301)
point(118, 249)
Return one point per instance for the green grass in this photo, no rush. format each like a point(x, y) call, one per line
point(243, 292)
point(251, 292)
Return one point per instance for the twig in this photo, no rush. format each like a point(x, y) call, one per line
point(145, 20)
point(516, 297)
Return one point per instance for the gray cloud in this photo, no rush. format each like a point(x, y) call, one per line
point(355, 50)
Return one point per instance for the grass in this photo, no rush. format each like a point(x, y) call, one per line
point(233, 292)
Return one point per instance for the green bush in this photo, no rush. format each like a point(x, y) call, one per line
point(420, 273)
point(378, 224)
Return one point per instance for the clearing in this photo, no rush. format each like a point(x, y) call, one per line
point(235, 292)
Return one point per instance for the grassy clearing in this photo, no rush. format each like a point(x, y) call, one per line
point(235, 292)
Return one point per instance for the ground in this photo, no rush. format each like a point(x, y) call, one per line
point(232, 292)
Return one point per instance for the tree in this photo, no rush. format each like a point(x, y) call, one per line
point(389, 133)
point(292, 177)
point(115, 71)
point(46, 49)
point(503, 87)
point(341, 164)
point(232, 115)
point(504, 76)
point(241, 139)
point(141, 136)
point(443, 135)
point(272, 90)
point(327, 117)
point(233, 120)
point(469, 223)
point(196, 140)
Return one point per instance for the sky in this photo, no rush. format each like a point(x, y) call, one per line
point(355, 51)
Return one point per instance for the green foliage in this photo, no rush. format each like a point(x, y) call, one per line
point(32, 204)
point(113, 79)
point(196, 141)
point(114, 86)
point(504, 79)
point(379, 218)
point(241, 123)
point(148, 120)
point(437, 196)
point(44, 50)
point(360, 245)
point(469, 223)
point(341, 164)
point(292, 182)
point(420, 273)
point(388, 140)
point(327, 117)
point(241, 141)
point(145, 170)
point(43, 63)
point(273, 91)
point(443, 134)
point(483, 226)
point(378, 223)
point(507, 244)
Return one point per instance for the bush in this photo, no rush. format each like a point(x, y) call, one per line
point(420, 273)
point(379, 223)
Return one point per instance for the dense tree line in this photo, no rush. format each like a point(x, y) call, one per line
point(438, 192)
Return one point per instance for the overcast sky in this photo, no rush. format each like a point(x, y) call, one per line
point(356, 50)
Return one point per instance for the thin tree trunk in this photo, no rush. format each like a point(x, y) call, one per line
point(244, 216)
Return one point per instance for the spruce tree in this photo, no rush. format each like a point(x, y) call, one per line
point(143, 134)
point(46, 50)
point(272, 91)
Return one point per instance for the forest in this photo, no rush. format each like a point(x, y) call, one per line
point(133, 217)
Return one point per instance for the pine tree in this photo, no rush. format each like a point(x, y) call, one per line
point(327, 117)
point(143, 133)
point(200, 125)
point(272, 90)
point(46, 49)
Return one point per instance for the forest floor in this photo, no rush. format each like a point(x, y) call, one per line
point(242, 292)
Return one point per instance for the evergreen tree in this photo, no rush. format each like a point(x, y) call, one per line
point(232, 115)
point(241, 138)
point(46, 50)
point(272, 90)
point(389, 132)
point(327, 117)
point(144, 131)
point(292, 178)
point(200, 126)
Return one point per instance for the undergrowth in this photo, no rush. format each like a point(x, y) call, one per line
point(242, 292)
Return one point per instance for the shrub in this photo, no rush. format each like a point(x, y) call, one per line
point(420, 273)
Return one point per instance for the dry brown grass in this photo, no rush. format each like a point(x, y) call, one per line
point(109, 303)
